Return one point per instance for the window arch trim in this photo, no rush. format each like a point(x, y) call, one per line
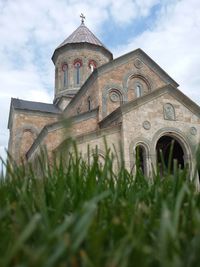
point(145, 143)
point(106, 91)
point(92, 65)
point(78, 61)
point(65, 74)
point(77, 66)
point(130, 75)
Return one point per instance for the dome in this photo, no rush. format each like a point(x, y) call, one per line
point(82, 35)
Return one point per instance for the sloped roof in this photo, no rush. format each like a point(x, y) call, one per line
point(82, 35)
point(117, 62)
point(19, 104)
point(34, 106)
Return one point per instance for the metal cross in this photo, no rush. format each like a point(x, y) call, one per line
point(82, 18)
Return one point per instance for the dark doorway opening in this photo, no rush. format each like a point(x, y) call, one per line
point(140, 159)
point(163, 147)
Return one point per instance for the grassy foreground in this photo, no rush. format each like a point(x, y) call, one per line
point(88, 216)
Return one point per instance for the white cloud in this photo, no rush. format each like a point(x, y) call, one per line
point(144, 6)
point(174, 43)
point(123, 11)
point(30, 31)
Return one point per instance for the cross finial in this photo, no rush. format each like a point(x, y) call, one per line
point(82, 18)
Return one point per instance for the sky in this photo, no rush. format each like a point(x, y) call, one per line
point(167, 30)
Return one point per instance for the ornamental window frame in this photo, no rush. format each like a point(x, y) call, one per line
point(77, 65)
point(92, 65)
point(65, 74)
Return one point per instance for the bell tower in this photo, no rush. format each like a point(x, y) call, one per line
point(75, 59)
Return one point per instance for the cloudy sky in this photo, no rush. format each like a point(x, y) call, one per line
point(167, 30)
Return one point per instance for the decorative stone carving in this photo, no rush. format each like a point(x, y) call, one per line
point(138, 63)
point(106, 96)
point(114, 97)
point(169, 112)
point(146, 125)
point(193, 131)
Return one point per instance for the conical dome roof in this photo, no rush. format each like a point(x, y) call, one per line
point(82, 35)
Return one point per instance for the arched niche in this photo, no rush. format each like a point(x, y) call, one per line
point(133, 81)
point(112, 98)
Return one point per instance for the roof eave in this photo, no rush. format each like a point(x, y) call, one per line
point(38, 111)
point(57, 50)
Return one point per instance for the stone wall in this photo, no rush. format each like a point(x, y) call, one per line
point(146, 123)
point(25, 128)
point(83, 127)
point(111, 87)
point(54, 137)
point(123, 80)
point(80, 104)
point(110, 136)
point(69, 57)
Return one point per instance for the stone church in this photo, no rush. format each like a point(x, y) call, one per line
point(129, 100)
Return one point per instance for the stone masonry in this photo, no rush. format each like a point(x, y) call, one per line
point(130, 101)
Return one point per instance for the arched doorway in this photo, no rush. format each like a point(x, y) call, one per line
point(168, 151)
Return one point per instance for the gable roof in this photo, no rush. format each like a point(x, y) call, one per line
point(19, 104)
point(176, 93)
point(117, 62)
point(34, 106)
point(145, 58)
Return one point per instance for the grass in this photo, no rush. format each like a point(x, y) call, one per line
point(86, 215)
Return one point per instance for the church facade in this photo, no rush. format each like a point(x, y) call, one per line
point(129, 100)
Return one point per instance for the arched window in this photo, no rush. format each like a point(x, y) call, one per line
point(140, 159)
point(92, 65)
point(138, 90)
point(65, 74)
point(77, 66)
point(89, 103)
